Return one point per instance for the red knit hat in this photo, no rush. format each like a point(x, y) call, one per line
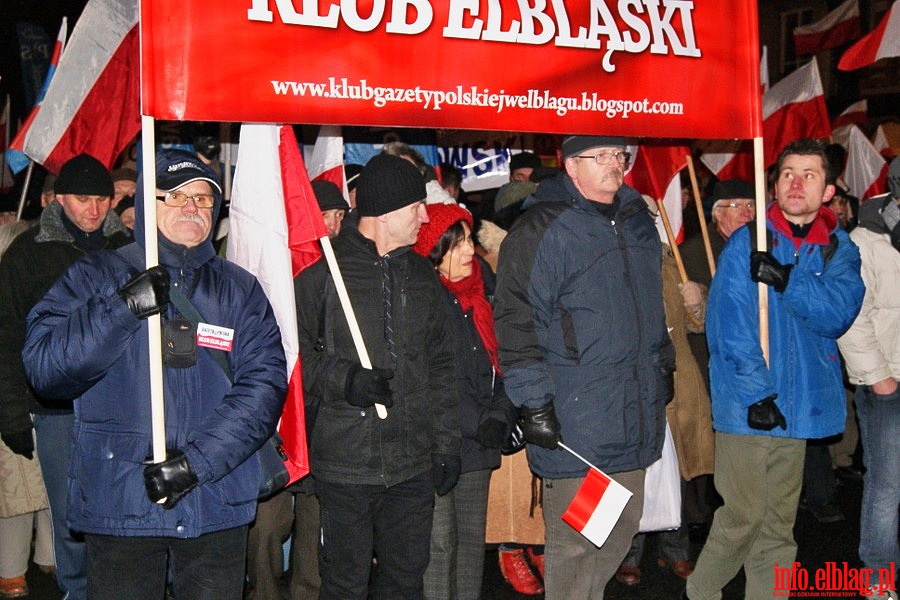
point(440, 218)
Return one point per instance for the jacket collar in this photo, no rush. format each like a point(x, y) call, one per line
point(824, 223)
point(52, 228)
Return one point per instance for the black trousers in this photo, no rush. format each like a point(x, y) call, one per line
point(391, 523)
point(210, 567)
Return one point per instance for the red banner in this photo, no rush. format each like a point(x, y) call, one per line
point(651, 68)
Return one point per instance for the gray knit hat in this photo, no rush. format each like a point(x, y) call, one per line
point(387, 183)
point(576, 144)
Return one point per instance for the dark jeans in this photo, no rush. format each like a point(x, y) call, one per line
point(393, 523)
point(819, 485)
point(210, 567)
point(54, 446)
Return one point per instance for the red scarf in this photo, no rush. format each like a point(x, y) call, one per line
point(470, 294)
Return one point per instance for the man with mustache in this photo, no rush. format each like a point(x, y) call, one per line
point(224, 380)
point(584, 348)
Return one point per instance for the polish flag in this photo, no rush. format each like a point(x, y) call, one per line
point(15, 156)
point(597, 506)
point(92, 104)
point(793, 108)
point(835, 29)
point(655, 171)
point(857, 113)
point(327, 160)
point(866, 171)
point(275, 223)
point(881, 42)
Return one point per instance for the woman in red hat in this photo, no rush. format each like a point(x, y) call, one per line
point(485, 417)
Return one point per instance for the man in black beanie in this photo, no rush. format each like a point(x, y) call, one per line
point(78, 221)
point(376, 478)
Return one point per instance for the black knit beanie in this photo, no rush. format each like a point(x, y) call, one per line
point(387, 183)
point(84, 175)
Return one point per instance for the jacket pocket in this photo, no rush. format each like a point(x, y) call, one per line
point(108, 470)
point(342, 434)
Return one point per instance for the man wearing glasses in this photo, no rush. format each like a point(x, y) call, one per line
point(224, 381)
point(584, 348)
point(76, 222)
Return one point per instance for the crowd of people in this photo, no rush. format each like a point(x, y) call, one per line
point(511, 342)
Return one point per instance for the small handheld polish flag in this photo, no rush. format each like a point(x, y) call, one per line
point(597, 505)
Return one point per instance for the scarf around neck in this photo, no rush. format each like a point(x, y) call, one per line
point(470, 294)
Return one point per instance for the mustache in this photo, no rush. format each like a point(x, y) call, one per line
point(190, 219)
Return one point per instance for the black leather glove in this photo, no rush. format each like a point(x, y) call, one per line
point(491, 432)
point(366, 387)
point(169, 480)
point(765, 269)
point(445, 470)
point(540, 426)
point(765, 415)
point(147, 293)
point(20, 443)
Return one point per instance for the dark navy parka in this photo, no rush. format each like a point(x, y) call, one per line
point(83, 342)
point(580, 322)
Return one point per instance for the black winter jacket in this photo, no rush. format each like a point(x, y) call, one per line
point(481, 394)
point(31, 264)
point(349, 444)
point(580, 322)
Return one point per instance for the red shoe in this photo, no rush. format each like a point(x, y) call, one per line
point(536, 560)
point(681, 568)
point(518, 573)
point(13, 587)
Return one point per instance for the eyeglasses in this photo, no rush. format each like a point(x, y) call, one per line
point(748, 205)
point(179, 199)
point(606, 158)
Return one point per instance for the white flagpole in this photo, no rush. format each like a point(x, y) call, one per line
point(154, 325)
point(25, 185)
point(760, 173)
point(348, 312)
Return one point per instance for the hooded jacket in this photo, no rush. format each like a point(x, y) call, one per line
point(819, 304)
point(580, 322)
point(83, 342)
point(871, 347)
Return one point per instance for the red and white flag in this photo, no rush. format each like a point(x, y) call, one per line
point(15, 156)
point(597, 506)
point(838, 27)
point(866, 171)
point(793, 108)
point(855, 114)
point(327, 160)
point(881, 42)
point(275, 223)
point(92, 104)
point(655, 171)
